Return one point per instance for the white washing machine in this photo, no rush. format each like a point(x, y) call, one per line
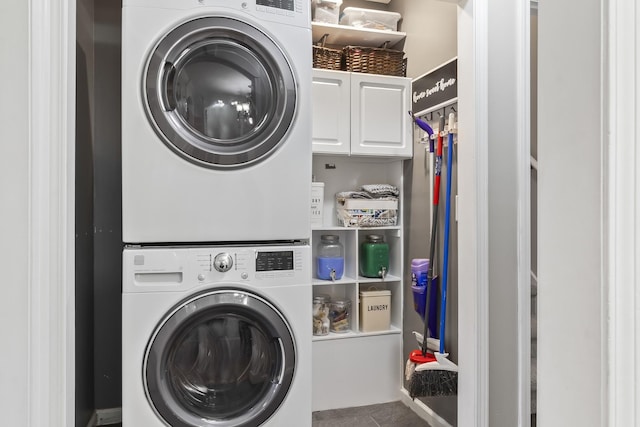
point(216, 336)
point(216, 120)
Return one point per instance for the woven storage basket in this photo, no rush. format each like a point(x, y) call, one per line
point(326, 58)
point(374, 60)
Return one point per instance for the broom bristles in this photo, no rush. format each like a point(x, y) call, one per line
point(433, 382)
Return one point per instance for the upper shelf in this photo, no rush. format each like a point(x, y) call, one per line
point(344, 35)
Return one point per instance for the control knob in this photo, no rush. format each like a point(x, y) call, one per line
point(223, 262)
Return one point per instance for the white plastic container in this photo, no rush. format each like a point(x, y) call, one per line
point(317, 202)
point(326, 11)
point(375, 310)
point(369, 18)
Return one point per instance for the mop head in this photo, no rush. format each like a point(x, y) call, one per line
point(438, 378)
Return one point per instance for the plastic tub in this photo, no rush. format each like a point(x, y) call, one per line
point(327, 11)
point(369, 18)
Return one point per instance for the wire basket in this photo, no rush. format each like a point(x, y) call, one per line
point(326, 58)
point(367, 217)
point(366, 212)
point(374, 60)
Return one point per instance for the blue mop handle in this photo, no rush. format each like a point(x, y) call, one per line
point(447, 215)
point(425, 127)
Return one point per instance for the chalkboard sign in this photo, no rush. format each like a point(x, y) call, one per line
point(435, 88)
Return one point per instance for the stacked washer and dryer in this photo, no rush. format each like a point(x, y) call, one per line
point(216, 167)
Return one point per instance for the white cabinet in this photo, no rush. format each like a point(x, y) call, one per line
point(361, 114)
point(357, 368)
point(331, 101)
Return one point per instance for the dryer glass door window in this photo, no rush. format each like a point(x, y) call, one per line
point(220, 92)
point(227, 357)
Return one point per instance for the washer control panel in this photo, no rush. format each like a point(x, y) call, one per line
point(171, 269)
point(264, 264)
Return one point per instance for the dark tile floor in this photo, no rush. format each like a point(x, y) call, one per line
point(394, 414)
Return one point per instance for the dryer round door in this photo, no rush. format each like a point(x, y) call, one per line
point(223, 358)
point(220, 92)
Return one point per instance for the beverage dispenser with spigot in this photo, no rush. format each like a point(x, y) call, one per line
point(330, 258)
point(374, 257)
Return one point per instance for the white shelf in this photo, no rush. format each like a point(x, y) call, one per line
point(344, 35)
point(343, 281)
point(352, 334)
point(340, 228)
point(369, 280)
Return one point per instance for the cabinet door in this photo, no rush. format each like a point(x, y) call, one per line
point(380, 123)
point(330, 104)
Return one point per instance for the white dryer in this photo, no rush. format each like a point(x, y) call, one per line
point(216, 336)
point(216, 120)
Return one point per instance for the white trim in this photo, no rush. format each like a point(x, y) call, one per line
point(473, 243)
point(622, 238)
point(481, 33)
point(523, 117)
point(51, 213)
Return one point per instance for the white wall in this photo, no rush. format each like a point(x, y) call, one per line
point(14, 211)
point(570, 289)
point(431, 28)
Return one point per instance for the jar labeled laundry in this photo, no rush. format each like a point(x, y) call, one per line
point(321, 320)
point(330, 258)
point(374, 256)
point(340, 316)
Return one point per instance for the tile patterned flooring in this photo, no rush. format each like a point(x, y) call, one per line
point(394, 414)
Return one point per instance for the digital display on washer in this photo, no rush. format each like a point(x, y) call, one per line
point(278, 4)
point(274, 261)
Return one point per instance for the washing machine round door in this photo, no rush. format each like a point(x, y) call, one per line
point(223, 358)
point(220, 92)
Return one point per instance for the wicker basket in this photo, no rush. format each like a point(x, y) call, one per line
point(374, 60)
point(326, 58)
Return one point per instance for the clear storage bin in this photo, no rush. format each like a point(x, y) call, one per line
point(369, 18)
point(326, 11)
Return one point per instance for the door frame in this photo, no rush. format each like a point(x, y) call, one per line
point(51, 239)
point(51, 284)
point(621, 210)
point(474, 260)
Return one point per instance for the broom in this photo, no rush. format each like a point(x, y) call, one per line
point(420, 356)
point(439, 377)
